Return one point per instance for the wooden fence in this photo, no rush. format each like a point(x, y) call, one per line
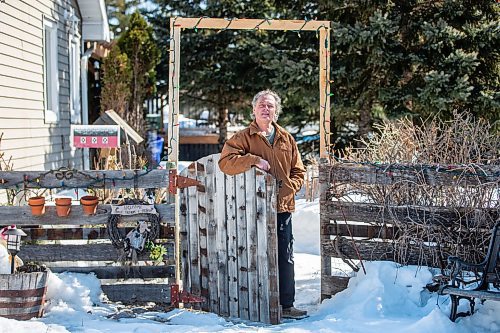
point(311, 182)
point(353, 229)
point(229, 242)
point(80, 243)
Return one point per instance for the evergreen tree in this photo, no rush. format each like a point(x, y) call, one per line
point(117, 79)
point(143, 55)
point(390, 58)
point(119, 12)
point(412, 57)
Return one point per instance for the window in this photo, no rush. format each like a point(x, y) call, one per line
point(74, 74)
point(51, 73)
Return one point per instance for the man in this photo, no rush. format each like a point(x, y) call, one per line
point(268, 146)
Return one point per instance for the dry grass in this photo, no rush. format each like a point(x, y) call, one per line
point(465, 143)
point(119, 161)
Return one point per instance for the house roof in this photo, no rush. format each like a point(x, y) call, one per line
point(94, 20)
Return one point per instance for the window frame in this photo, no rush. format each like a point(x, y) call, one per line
point(50, 70)
point(74, 55)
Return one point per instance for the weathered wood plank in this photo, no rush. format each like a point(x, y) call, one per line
point(220, 215)
point(357, 230)
point(386, 174)
point(232, 245)
point(370, 250)
point(137, 293)
point(58, 252)
point(326, 262)
point(249, 24)
point(481, 294)
point(242, 253)
point(272, 251)
point(183, 237)
point(253, 277)
point(156, 178)
point(21, 215)
point(212, 222)
point(262, 247)
point(442, 216)
point(121, 272)
point(76, 233)
point(202, 225)
point(330, 285)
point(193, 233)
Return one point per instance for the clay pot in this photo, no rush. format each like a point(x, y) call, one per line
point(89, 204)
point(63, 206)
point(37, 205)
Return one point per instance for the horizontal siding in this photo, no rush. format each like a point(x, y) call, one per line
point(12, 144)
point(20, 103)
point(49, 161)
point(15, 42)
point(8, 113)
point(29, 66)
point(20, 73)
point(21, 93)
point(20, 132)
point(31, 142)
point(34, 151)
point(21, 64)
point(16, 16)
point(14, 82)
point(16, 33)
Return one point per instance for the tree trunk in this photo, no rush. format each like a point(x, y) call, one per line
point(365, 117)
point(222, 121)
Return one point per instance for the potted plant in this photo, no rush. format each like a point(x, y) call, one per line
point(63, 206)
point(37, 205)
point(89, 204)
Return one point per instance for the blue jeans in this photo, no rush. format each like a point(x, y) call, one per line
point(285, 260)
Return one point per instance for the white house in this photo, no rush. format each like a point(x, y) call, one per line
point(46, 50)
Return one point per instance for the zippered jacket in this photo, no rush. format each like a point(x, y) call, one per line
point(245, 148)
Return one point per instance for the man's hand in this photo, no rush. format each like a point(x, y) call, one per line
point(263, 165)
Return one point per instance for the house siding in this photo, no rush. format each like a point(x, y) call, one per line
point(32, 143)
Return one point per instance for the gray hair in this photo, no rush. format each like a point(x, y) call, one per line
point(270, 93)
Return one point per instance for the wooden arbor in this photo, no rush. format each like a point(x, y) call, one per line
point(179, 23)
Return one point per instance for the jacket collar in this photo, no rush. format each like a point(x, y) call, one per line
point(254, 129)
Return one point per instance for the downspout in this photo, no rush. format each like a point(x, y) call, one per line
point(84, 69)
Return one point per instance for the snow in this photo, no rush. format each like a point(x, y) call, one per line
point(389, 298)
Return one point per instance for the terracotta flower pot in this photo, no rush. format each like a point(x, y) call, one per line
point(89, 204)
point(37, 205)
point(63, 206)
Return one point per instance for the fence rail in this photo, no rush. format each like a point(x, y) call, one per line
point(356, 228)
point(80, 243)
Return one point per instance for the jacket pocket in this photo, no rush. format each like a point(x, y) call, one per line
point(283, 146)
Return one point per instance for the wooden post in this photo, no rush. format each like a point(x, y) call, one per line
point(173, 129)
point(173, 92)
point(324, 92)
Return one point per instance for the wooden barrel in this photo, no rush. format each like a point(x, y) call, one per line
point(22, 296)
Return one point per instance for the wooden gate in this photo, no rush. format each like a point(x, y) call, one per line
point(228, 241)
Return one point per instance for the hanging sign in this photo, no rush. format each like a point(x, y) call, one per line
point(95, 136)
point(133, 209)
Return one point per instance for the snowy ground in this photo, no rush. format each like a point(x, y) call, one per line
point(387, 299)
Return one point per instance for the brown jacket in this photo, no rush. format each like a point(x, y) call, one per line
point(244, 149)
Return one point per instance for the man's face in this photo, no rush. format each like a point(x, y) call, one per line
point(265, 109)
